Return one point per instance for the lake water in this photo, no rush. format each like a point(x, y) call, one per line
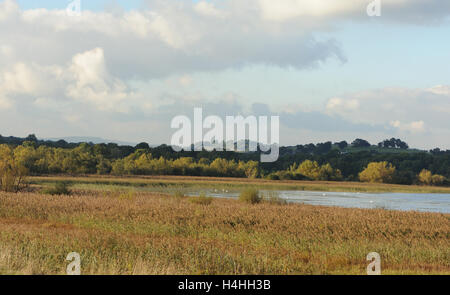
point(392, 201)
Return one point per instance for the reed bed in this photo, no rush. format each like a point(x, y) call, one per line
point(135, 232)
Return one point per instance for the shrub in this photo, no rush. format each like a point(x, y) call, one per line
point(273, 176)
point(250, 196)
point(59, 188)
point(286, 175)
point(437, 179)
point(201, 200)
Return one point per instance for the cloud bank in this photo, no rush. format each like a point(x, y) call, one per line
point(62, 75)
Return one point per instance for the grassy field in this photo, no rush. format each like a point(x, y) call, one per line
point(132, 232)
point(165, 183)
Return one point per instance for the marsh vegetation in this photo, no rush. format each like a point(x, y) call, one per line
point(120, 232)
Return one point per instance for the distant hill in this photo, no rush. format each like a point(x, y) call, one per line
point(391, 146)
point(94, 140)
point(377, 149)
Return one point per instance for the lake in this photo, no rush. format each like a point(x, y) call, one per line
point(392, 201)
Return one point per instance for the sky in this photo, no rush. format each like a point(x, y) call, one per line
point(123, 69)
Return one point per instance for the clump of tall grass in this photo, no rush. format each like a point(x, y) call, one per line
point(272, 197)
point(127, 196)
point(179, 194)
point(250, 196)
point(201, 200)
point(59, 188)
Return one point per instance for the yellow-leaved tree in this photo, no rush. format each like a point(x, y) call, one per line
point(427, 178)
point(378, 172)
point(312, 170)
point(12, 172)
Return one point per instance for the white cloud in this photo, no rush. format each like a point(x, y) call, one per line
point(21, 79)
point(33, 79)
point(209, 9)
point(6, 50)
point(419, 115)
point(5, 102)
point(413, 127)
point(289, 9)
point(137, 22)
point(84, 79)
point(185, 80)
point(171, 38)
point(335, 104)
point(93, 83)
point(72, 118)
point(440, 90)
point(105, 61)
point(416, 11)
point(89, 68)
point(8, 9)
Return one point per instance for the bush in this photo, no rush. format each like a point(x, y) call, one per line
point(59, 188)
point(201, 200)
point(286, 175)
point(273, 176)
point(250, 196)
point(438, 179)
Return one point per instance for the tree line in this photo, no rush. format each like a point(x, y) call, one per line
point(323, 161)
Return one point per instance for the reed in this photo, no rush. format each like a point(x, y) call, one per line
point(151, 233)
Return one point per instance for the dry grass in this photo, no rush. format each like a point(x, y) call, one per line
point(143, 233)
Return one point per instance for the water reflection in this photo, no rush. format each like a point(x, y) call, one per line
point(392, 201)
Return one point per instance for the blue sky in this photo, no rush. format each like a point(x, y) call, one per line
point(387, 75)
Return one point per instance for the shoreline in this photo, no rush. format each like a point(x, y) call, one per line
point(192, 181)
